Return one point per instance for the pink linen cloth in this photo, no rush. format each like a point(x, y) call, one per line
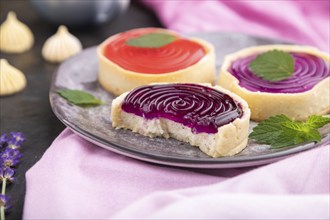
point(303, 22)
point(78, 180)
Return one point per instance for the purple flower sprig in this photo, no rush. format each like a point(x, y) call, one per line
point(10, 156)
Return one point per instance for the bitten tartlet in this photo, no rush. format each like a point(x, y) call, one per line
point(306, 92)
point(211, 118)
point(123, 67)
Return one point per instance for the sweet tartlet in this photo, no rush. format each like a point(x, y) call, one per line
point(211, 118)
point(123, 67)
point(306, 92)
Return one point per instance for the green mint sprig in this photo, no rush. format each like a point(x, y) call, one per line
point(280, 131)
point(79, 98)
point(273, 65)
point(152, 40)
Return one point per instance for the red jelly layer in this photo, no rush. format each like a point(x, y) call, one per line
point(308, 71)
point(179, 54)
point(201, 108)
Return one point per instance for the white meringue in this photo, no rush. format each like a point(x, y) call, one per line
point(12, 80)
point(15, 37)
point(61, 46)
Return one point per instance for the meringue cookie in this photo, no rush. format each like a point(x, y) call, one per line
point(61, 46)
point(12, 80)
point(15, 37)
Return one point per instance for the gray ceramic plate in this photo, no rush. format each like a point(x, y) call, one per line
point(94, 124)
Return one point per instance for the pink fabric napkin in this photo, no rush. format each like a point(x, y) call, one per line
point(303, 22)
point(78, 180)
point(75, 179)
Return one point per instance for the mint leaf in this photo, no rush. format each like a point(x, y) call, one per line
point(313, 135)
point(273, 65)
point(301, 132)
point(282, 140)
point(152, 40)
point(80, 98)
point(270, 129)
point(280, 131)
point(317, 121)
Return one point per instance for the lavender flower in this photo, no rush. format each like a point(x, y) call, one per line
point(10, 157)
point(4, 202)
point(7, 173)
point(3, 140)
point(16, 140)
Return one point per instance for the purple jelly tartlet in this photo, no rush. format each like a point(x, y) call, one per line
point(211, 118)
point(304, 93)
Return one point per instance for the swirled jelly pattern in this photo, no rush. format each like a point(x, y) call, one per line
point(201, 108)
point(177, 55)
point(308, 71)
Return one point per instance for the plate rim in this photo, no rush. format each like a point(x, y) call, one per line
point(222, 162)
point(179, 162)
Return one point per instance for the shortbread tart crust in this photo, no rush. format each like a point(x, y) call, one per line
point(117, 80)
point(264, 104)
point(229, 140)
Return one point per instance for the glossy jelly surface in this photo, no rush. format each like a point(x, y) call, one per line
point(308, 71)
point(177, 55)
point(201, 108)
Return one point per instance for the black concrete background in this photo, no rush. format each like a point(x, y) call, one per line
point(29, 111)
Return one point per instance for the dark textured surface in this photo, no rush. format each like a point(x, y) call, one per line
point(29, 111)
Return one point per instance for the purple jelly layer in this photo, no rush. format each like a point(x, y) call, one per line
point(200, 108)
point(308, 71)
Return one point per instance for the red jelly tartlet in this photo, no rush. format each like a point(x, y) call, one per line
point(124, 66)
